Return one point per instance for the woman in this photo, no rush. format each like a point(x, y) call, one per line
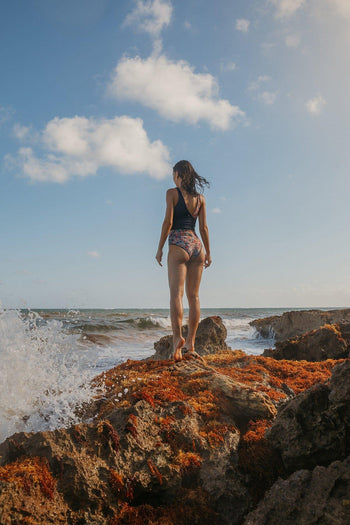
point(186, 256)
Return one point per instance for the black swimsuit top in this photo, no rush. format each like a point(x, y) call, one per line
point(182, 219)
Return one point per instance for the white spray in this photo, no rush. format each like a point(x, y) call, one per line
point(43, 374)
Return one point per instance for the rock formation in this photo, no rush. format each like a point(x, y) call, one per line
point(211, 337)
point(309, 497)
point(166, 442)
point(314, 428)
point(231, 440)
point(312, 436)
point(295, 323)
point(327, 342)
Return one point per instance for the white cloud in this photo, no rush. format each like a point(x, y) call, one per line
point(292, 40)
point(6, 114)
point(173, 90)
point(216, 210)
point(265, 96)
point(93, 254)
point(242, 24)
point(268, 97)
point(254, 86)
point(342, 6)
point(228, 66)
point(20, 132)
point(286, 8)
point(79, 146)
point(315, 105)
point(150, 16)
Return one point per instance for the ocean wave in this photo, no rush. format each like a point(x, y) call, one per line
point(98, 339)
point(93, 326)
point(43, 374)
point(153, 322)
point(149, 322)
point(237, 323)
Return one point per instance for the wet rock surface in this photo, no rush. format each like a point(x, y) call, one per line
point(210, 338)
point(327, 342)
point(231, 440)
point(314, 428)
point(321, 495)
point(294, 323)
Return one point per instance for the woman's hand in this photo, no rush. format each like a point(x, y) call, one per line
point(207, 260)
point(159, 256)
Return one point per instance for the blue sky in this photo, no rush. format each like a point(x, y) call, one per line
point(99, 99)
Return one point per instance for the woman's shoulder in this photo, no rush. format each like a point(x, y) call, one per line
point(171, 193)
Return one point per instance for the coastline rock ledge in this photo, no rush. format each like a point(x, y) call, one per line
point(236, 439)
point(295, 323)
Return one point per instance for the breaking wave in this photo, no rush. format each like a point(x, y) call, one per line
point(42, 374)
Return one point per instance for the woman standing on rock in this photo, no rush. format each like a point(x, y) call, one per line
point(186, 256)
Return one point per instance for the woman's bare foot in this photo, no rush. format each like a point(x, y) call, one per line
point(177, 349)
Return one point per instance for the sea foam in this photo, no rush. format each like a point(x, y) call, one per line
point(42, 375)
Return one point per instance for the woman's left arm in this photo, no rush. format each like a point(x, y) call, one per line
point(167, 224)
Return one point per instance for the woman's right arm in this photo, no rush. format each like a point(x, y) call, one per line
point(167, 224)
point(204, 231)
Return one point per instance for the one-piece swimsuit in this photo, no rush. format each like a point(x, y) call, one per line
point(183, 233)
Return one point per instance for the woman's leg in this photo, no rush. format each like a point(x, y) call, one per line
point(177, 269)
point(193, 279)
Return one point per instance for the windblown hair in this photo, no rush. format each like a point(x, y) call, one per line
point(190, 180)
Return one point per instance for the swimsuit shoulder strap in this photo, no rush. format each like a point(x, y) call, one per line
point(180, 196)
point(198, 206)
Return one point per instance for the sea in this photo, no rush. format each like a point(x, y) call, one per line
point(49, 356)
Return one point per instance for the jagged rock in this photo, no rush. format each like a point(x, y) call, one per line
point(344, 329)
point(211, 336)
point(242, 402)
point(298, 322)
point(314, 427)
point(163, 445)
point(28, 495)
point(322, 343)
point(307, 497)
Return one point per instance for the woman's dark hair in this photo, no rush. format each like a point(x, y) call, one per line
point(190, 180)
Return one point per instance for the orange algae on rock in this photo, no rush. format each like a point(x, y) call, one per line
point(214, 432)
point(162, 389)
point(269, 375)
point(178, 430)
point(143, 394)
point(206, 404)
point(298, 375)
point(258, 459)
point(131, 425)
point(30, 473)
point(164, 422)
point(108, 434)
point(154, 471)
point(189, 460)
point(194, 506)
point(116, 481)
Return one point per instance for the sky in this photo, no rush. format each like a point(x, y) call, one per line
point(100, 98)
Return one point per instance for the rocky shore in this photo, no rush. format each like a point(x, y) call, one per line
point(236, 439)
point(298, 322)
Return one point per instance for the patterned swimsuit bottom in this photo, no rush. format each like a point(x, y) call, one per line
point(187, 240)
